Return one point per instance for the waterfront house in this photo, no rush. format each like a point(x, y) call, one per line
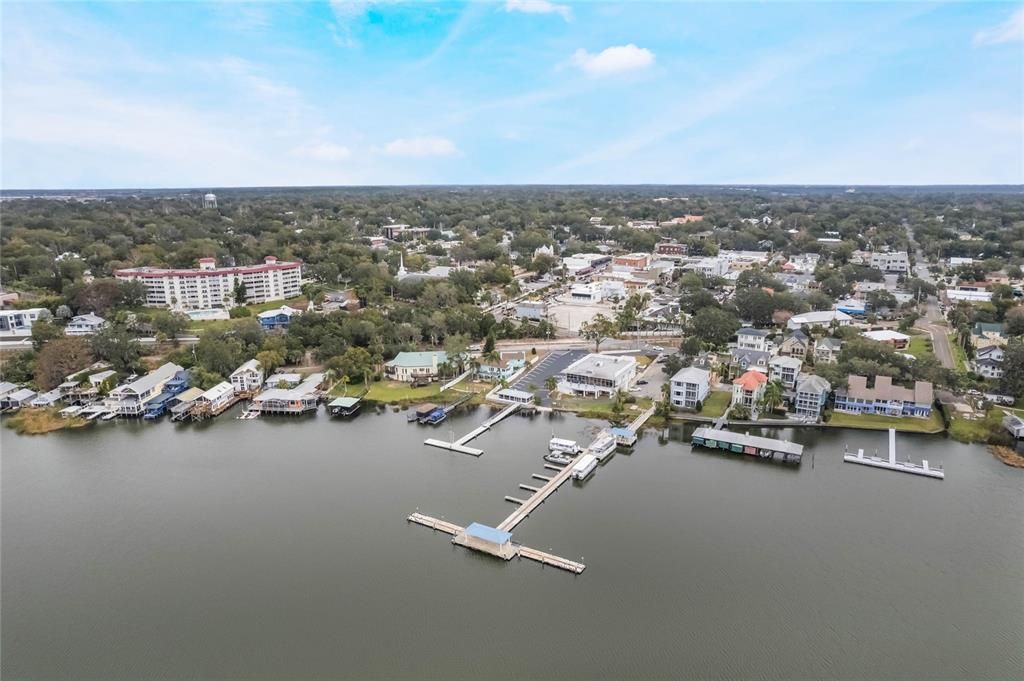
point(827, 350)
point(502, 368)
point(752, 339)
point(84, 325)
point(884, 398)
point(19, 322)
point(277, 319)
point(689, 387)
point(47, 399)
point(748, 389)
point(215, 400)
point(810, 396)
point(6, 388)
point(247, 378)
point(17, 399)
point(597, 374)
point(1015, 425)
point(823, 318)
point(785, 370)
point(796, 344)
point(182, 403)
point(410, 366)
point(304, 397)
point(131, 398)
point(512, 395)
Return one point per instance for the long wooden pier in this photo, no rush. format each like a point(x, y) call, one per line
point(460, 444)
point(537, 498)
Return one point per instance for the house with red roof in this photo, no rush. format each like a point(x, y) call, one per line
point(748, 388)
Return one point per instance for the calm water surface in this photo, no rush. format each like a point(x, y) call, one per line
point(275, 549)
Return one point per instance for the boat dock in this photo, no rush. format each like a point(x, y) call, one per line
point(460, 444)
point(753, 445)
point(494, 542)
point(892, 464)
point(626, 436)
point(537, 498)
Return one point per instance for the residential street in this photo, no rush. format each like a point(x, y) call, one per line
point(940, 339)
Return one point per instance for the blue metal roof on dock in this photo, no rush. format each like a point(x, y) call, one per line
point(622, 432)
point(490, 534)
point(160, 399)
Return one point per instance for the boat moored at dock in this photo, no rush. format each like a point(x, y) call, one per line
point(584, 467)
point(563, 446)
point(603, 446)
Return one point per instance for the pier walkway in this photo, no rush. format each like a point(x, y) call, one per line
point(537, 498)
point(892, 464)
point(460, 444)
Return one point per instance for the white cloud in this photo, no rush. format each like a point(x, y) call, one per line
point(324, 151)
point(1011, 30)
point(539, 7)
point(612, 61)
point(420, 146)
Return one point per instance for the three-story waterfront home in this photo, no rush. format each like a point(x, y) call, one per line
point(131, 398)
point(689, 387)
point(811, 395)
point(885, 398)
point(752, 339)
point(796, 344)
point(247, 378)
point(748, 389)
point(597, 374)
point(785, 370)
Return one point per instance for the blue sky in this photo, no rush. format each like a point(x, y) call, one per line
point(153, 94)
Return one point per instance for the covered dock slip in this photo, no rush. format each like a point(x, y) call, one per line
point(182, 403)
point(752, 445)
point(156, 407)
point(344, 406)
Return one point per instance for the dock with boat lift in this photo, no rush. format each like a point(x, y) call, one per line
point(892, 464)
point(752, 445)
point(460, 444)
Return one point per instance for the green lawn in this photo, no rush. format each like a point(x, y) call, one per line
point(395, 391)
point(716, 403)
point(959, 358)
point(920, 347)
point(966, 430)
point(932, 424)
point(601, 408)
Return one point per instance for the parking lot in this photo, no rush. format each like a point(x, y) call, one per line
point(551, 365)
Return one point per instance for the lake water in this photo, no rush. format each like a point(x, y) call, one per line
point(275, 549)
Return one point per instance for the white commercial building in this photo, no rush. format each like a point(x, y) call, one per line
point(597, 374)
point(212, 287)
point(689, 387)
point(709, 267)
point(897, 261)
point(822, 318)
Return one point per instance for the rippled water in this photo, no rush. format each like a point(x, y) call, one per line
point(277, 549)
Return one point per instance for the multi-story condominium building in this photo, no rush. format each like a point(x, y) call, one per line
point(896, 261)
point(752, 339)
point(689, 387)
point(597, 374)
point(211, 286)
point(811, 395)
point(785, 370)
point(885, 398)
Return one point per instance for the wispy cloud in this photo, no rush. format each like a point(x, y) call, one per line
point(1011, 30)
point(613, 61)
point(539, 7)
point(421, 147)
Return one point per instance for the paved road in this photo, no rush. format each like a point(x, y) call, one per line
point(940, 340)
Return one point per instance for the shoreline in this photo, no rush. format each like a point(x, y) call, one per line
point(1007, 455)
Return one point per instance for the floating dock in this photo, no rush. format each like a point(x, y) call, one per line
point(892, 464)
point(460, 444)
point(752, 445)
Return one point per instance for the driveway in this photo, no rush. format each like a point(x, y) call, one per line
point(940, 339)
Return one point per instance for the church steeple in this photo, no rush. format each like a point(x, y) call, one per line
point(401, 265)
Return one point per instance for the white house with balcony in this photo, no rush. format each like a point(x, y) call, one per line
point(247, 378)
point(597, 374)
point(84, 325)
point(752, 339)
point(689, 387)
point(130, 399)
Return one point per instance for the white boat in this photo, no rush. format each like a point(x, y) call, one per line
point(109, 415)
point(584, 467)
point(563, 446)
point(603, 446)
point(560, 459)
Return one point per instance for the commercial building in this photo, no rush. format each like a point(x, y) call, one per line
point(689, 387)
point(597, 374)
point(821, 318)
point(967, 294)
point(585, 263)
point(709, 267)
point(896, 261)
point(811, 396)
point(212, 287)
point(632, 261)
point(409, 366)
point(894, 338)
point(885, 398)
point(532, 309)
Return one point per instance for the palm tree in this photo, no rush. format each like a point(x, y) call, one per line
point(551, 383)
point(771, 398)
point(344, 384)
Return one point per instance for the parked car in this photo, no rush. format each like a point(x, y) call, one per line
point(642, 381)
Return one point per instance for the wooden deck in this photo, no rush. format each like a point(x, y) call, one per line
point(538, 497)
point(460, 444)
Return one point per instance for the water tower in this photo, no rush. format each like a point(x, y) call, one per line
point(209, 200)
